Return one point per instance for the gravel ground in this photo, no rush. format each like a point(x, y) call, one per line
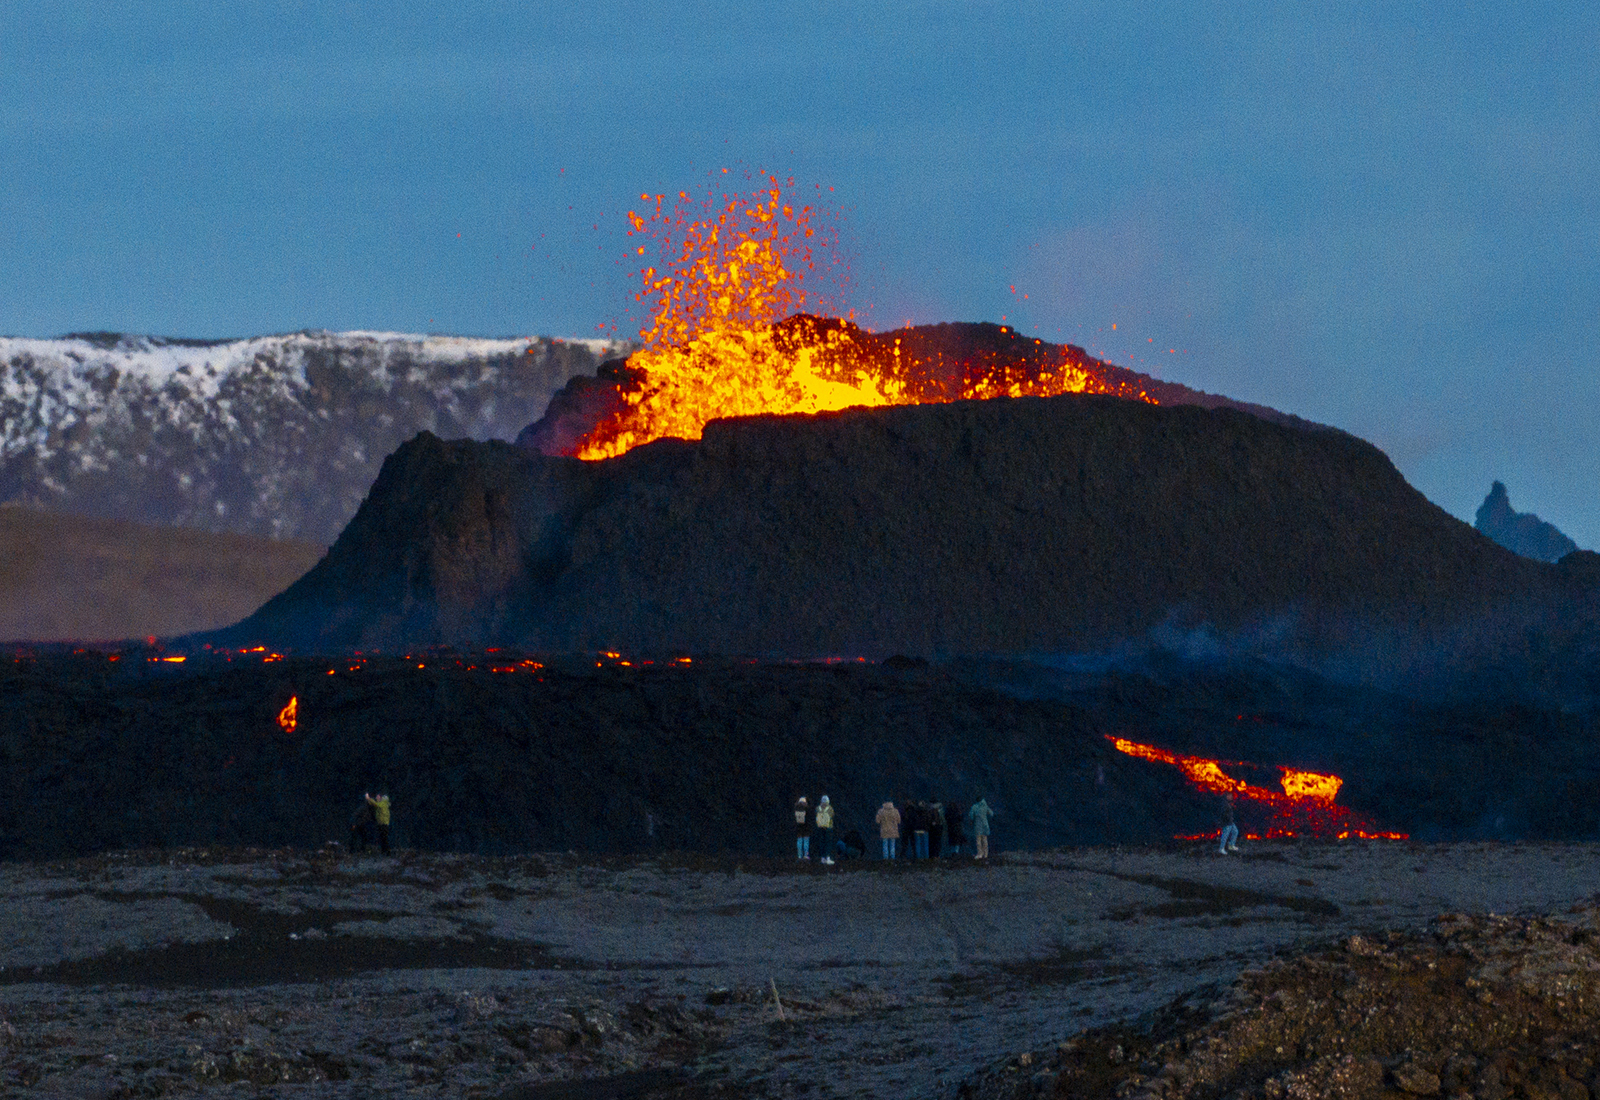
point(293, 973)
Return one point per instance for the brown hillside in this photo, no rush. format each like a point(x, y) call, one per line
point(67, 578)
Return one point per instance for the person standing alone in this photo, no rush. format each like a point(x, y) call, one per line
point(1229, 841)
point(979, 815)
point(825, 829)
point(802, 828)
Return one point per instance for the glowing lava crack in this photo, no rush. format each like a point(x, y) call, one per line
point(1304, 808)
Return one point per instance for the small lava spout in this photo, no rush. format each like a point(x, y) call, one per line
point(289, 716)
point(1304, 808)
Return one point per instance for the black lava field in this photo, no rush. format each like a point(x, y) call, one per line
point(103, 751)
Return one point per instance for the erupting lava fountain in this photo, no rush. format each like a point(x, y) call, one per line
point(727, 335)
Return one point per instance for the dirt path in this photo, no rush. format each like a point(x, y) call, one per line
point(299, 974)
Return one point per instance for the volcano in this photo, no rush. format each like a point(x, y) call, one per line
point(759, 480)
point(1016, 526)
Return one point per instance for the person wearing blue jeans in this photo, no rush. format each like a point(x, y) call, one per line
point(1229, 841)
point(888, 820)
point(802, 829)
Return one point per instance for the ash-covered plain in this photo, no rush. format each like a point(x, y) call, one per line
point(295, 973)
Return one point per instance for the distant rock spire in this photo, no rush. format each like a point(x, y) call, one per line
point(1520, 532)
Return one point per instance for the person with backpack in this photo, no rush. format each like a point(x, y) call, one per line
point(979, 815)
point(825, 830)
point(802, 828)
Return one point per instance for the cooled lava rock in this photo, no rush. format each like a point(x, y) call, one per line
point(483, 753)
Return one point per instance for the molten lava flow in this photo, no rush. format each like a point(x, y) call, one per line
point(717, 344)
point(1304, 807)
point(289, 716)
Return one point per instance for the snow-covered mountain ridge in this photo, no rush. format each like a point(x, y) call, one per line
point(271, 435)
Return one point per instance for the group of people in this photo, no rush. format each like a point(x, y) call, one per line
point(923, 830)
point(806, 821)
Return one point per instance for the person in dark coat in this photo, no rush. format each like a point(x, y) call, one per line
point(919, 828)
point(362, 828)
point(954, 814)
point(802, 828)
point(935, 828)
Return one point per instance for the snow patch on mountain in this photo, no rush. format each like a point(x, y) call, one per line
point(270, 435)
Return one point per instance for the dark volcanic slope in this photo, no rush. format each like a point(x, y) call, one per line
point(1026, 525)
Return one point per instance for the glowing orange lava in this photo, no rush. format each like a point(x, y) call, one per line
point(729, 271)
point(289, 716)
point(1304, 807)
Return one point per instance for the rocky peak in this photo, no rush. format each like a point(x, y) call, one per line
point(1520, 532)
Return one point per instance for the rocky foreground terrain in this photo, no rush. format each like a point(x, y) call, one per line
point(1283, 970)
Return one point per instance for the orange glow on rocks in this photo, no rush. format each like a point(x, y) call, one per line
point(289, 716)
point(726, 335)
point(1305, 806)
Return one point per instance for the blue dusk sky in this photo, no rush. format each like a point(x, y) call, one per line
point(1382, 216)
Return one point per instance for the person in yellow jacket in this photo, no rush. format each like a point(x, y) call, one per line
point(380, 816)
point(825, 829)
point(888, 820)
